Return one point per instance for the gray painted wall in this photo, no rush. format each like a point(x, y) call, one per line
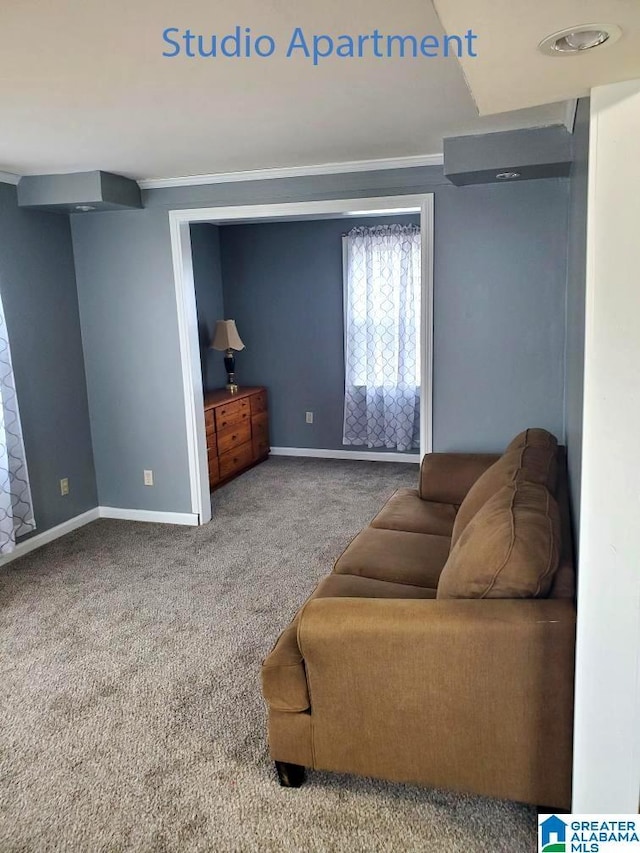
point(207, 276)
point(130, 331)
point(283, 287)
point(127, 303)
point(38, 286)
point(576, 277)
point(130, 335)
point(499, 306)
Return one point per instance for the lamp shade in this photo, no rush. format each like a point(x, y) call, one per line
point(226, 336)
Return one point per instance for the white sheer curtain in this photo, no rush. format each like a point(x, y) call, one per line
point(16, 506)
point(382, 337)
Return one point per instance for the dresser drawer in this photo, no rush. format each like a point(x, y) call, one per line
point(260, 447)
point(237, 432)
point(214, 471)
point(232, 413)
point(260, 427)
point(210, 429)
point(258, 402)
point(235, 460)
point(212, 445)
point(233, 436)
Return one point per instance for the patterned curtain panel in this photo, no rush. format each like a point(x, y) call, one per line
point(382, 337)
point(16, 507)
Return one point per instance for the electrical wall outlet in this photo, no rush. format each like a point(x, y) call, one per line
point(148, 477)
point(64, 486)
point(309, 417)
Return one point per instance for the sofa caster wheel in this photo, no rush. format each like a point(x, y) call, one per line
point(290, 775)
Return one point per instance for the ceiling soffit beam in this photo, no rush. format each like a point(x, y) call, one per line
point(543, 152)
point(79, 192)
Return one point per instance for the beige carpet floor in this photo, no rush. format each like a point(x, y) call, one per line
point(130, 708)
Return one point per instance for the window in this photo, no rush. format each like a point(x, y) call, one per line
point(16, 506)
point(382, 279)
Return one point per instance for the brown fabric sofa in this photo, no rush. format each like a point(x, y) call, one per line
point(440, 650)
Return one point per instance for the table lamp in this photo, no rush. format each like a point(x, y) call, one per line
point(226, 339)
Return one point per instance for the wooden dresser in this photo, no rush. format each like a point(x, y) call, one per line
point(237, 428)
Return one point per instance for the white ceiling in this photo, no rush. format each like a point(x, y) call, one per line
point(83, 85)
point(510, 72)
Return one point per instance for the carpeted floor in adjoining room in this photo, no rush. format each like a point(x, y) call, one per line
point(130, 710)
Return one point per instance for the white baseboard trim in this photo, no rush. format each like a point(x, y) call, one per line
point(189, 518)
point(56, 532)
point(97, 512)
point(361, 455)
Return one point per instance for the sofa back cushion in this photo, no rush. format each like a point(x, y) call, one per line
point(535, 464)
point(510, 549)
point(534, 437)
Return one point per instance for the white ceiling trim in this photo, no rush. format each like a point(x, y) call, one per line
point(295, 171)
point(9, 178)
point(570, 114)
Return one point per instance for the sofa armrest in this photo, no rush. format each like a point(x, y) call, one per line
point(473, 695)
point(447, 477)
point(284, 681)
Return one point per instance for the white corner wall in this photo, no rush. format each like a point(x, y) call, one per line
point(607, 722)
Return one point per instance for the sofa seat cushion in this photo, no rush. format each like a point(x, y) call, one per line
point(510, 549)
point(355, 586)
point(405, 510)
point(532, 463)
point(396, 556)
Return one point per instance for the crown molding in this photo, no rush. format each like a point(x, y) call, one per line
point(9, 178)
point(294, 171)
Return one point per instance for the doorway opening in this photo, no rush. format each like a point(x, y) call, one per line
point(196, 362)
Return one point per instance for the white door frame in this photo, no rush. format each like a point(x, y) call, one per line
point(179, 222)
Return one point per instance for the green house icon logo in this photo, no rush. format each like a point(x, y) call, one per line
point(553, 835)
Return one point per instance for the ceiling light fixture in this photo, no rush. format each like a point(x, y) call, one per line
point(578, 39)
point(84, 207)
point(507, 176)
